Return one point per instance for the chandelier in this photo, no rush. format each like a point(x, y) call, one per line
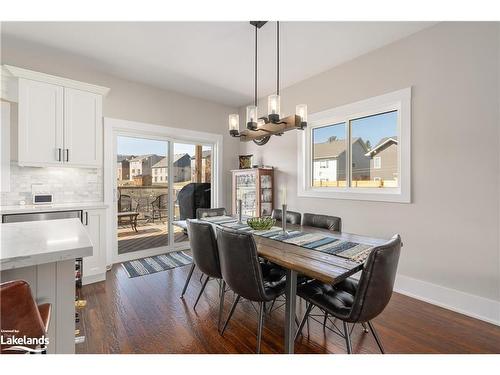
point(260, 129)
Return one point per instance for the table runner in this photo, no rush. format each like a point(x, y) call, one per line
point(314, 241)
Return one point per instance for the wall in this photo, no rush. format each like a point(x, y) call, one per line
point(129, 100)
point(451, 229)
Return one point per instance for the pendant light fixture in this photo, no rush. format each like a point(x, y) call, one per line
point(260, 129)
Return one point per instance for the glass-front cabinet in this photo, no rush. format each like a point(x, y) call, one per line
point(255, 189)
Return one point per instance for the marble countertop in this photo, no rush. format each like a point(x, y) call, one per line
point(37, 242)
point(17, 209)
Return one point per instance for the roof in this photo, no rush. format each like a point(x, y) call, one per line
point(122, 157)
point(204, 154)
point(142, 157)
point(382, 143)
point(163, 162)
point(333, 149)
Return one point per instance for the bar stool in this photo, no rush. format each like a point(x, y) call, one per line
point(19, 312)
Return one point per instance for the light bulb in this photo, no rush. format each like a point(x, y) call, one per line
point(273, 107)
point(252, 117)
point(234, 122)
point(301, 111)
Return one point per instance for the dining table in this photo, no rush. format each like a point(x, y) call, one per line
point(296, 259)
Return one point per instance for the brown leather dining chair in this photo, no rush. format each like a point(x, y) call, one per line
point(19, 311)
point(353, 301)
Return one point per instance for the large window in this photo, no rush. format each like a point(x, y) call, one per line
point(359, 151)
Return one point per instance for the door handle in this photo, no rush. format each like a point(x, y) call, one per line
point(59, 154)
point(86, 218)
point(67, 154)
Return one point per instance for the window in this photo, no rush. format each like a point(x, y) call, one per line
point(358, 151)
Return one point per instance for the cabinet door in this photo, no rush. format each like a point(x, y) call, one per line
point(94, 267)
point(82, 128)
point(40, 123)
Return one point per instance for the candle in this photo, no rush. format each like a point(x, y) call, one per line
point(283, 195)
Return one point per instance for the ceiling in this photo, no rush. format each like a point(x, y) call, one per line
point(213, 60)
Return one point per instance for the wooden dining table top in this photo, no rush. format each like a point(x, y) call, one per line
point(325, 267)
point(318, 265)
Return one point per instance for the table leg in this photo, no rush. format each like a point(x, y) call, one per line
point(291, 297)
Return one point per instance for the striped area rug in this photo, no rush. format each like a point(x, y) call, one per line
point(149, 265)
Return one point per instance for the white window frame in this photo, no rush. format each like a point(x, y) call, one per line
point(377, 162)
point(398, 100)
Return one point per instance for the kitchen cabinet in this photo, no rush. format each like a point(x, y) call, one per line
point(255, 188)
point(94, 267)
point(60, 120)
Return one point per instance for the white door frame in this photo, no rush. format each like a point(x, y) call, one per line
point(114, 127)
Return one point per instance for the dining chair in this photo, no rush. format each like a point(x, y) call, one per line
point(19, 312)
point(332, 223)
point(244, 274)
point(292, 217)
point(357, 302)
point(206, 257)
point(210, 212)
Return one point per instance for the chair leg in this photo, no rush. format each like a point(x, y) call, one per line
point(377, 338)
point(365, 327)
point(347, 338)
point(230, 314)
point(304, 319)
point(201, 291)
point(259, 328)
point(221, 303)
point(188, 279)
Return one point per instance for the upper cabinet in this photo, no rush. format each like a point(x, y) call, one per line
point(60, 120)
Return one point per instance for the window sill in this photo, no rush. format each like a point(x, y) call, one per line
point(394, 195)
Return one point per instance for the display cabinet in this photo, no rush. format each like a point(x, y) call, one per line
point(255, 188)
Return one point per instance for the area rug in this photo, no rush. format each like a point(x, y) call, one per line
point(158, 263)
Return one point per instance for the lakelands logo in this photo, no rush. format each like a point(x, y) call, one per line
point(21, 343)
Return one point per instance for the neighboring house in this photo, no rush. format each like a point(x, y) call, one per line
point(142, 180)
point(122, 168)
point(182, 169)
point(330, 160)
point(206, 166)
point(142, 165)
point(384, 159)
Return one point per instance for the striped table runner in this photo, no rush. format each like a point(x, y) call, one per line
point(315, 241)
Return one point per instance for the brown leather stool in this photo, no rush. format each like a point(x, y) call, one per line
point(20, 312)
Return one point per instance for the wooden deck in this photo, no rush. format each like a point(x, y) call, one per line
point(148, 236)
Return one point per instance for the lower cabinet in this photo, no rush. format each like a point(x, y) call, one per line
point(94, 267)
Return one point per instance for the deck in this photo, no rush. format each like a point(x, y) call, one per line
point(149, 235)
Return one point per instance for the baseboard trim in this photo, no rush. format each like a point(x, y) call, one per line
point(477, 307)
point(93, 278)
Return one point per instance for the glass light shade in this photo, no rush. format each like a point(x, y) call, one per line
point(273, 105)
point(260, 123)
point(301, 111)
point(252, 114)
point(234, 122)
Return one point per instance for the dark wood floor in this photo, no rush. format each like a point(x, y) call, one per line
point(146, 315)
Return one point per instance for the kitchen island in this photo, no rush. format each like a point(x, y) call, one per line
point(43, 253)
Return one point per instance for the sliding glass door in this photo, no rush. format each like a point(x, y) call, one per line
point(192, 183)
point(159, 183)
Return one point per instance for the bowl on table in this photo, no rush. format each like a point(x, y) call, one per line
point(261, 223)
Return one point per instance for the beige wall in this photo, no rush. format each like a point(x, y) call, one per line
point(130, 100)
point(451, 229)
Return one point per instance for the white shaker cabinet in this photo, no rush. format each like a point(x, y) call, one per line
point(41, 110)
point(94, 267)
point(60, 120)
point(82, 128)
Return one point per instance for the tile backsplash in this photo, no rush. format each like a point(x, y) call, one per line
point(68, 185)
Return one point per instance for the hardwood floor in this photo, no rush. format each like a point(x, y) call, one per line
point(146, 315)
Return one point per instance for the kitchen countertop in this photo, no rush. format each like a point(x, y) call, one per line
point(17, 209)
point(37, 242)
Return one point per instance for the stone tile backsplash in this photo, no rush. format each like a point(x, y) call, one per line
point(68, 185)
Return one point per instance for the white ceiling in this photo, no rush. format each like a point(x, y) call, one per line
point(213, 60)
